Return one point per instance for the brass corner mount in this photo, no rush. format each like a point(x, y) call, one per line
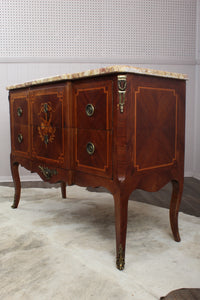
point(122, 84)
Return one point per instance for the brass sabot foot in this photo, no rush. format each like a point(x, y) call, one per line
point(120, 262)
point(13, 206)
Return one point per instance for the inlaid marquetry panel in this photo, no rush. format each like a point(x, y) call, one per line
point(47, 123)
point(19, 107)
point(19, 115)
point(47, 106)
point(93, 105)
point(155, 128)
point(99, 162)
point(20, 140)
point(52, 150)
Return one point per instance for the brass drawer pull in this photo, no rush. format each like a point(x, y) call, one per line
point(90, 148)
point(19, 111)
point(47, 172)
point(89, 110)
point(20, 138)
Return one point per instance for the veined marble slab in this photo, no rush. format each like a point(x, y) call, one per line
point(101, 71)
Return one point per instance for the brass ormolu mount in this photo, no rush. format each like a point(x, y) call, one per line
point(122, 84)
point(48, 173)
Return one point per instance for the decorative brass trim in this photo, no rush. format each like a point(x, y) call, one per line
point(122, 84)
point(89, 110)
point(120, 261)
point(48, 173)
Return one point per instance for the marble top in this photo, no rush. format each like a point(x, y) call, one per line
point(101, 71)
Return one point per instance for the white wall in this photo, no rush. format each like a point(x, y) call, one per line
point(196, 161)
point(43, 38)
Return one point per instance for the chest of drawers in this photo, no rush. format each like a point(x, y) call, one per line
point(119, 127)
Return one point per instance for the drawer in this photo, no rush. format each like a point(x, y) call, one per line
point(20, 138)
point(93, 151)
point(19, 108)
point(47, 106)
point(93, 104)
point(48, 144)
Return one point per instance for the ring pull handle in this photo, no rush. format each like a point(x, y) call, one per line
point(90, 148)
point(20, 138)
point(89, 109)
point(19, 111)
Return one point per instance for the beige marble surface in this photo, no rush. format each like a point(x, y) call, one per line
point(95, 72)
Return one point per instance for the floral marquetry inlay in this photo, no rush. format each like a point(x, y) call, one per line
point(46, 131)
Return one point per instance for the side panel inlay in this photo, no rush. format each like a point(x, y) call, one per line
point(155, 128)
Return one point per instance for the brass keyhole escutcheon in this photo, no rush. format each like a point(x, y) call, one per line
point(46, 109)
point(19, 111)
point(46, 139)
point(90, 148)
point(20, 138)
point(89, 110)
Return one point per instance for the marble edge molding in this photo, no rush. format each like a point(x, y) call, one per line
point(101, 71)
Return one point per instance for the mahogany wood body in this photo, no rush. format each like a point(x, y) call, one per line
point(140, 146)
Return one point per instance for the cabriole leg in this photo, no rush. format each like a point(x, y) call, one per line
point(174, 208)
point(17, 183)
point(63, 189)
point(121, 211)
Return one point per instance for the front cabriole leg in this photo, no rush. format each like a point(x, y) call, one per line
point(17, 183)
point(121, 211)
point(174, 208)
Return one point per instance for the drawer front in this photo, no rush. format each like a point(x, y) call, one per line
point(20, 139)
point(47, 106)
point(93, 104)
point(93, 152)
point(19, 108)
point(48, 144)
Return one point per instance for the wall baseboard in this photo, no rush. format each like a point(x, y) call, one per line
point(197, 176)
point(34, 177)
point(192, 174)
